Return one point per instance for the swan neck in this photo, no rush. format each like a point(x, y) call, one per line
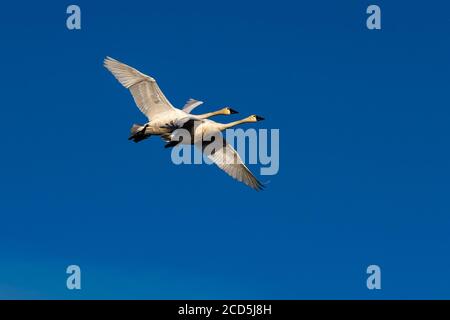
point(232, 124)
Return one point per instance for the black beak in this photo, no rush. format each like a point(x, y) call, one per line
point(258, 118)
point(232, 111)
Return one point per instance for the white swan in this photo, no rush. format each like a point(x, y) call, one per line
point(206, 135)
point(152, 102)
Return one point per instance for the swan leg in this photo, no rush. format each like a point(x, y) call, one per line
point(139, 135)
point(171, 144)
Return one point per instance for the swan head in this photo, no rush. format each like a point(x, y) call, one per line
point(255, 118)
point(228, 110)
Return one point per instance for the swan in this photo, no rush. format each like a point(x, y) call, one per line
point(151, 101)
point(198, 129)
point(203, 133)
point(157, 127)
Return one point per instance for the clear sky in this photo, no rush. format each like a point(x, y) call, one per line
point(364, 151)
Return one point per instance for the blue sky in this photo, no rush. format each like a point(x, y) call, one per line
point(364, 158)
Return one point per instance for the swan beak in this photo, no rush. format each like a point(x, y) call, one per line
point(232, 111)
point(258, 118)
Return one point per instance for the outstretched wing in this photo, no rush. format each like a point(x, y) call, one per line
point(191, 104)
point(227, 159)
point(144, 89)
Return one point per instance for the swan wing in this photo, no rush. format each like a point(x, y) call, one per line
point(191, 104)
point(227, 159)
point(146, 93)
